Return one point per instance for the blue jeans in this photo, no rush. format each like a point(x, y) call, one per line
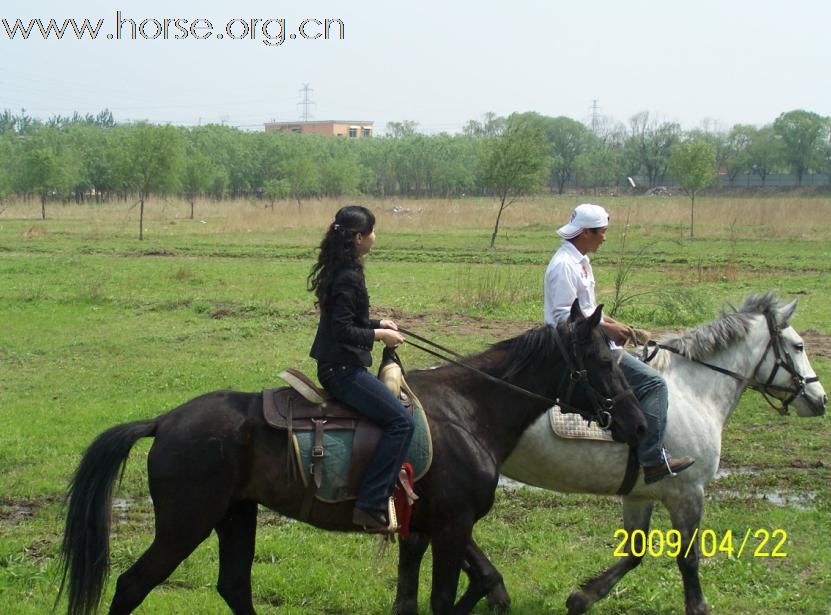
point(368, 396)
point(651, 390)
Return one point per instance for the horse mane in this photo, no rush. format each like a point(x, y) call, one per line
point(507, 358)
point(702, 341)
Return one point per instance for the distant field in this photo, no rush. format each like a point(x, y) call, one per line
point(99, 328)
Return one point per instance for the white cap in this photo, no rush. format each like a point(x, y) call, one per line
point(584, 216)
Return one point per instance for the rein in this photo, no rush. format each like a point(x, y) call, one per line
point(602, 405)
point(786, 363)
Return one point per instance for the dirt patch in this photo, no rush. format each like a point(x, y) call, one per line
point(14, 511)
point(432, 323)
point(132, 254)
point(817, 344)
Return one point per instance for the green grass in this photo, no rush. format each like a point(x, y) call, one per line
point(98, 329)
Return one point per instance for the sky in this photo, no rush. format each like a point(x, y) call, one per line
point(439, 64)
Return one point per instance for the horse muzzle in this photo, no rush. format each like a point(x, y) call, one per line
point(810, 405)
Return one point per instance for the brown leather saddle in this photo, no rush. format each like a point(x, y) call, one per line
point(303, 406)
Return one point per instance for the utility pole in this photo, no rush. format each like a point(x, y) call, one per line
point(595, 116)
point(305, 101)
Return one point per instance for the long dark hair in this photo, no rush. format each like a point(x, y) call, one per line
point(338, 249)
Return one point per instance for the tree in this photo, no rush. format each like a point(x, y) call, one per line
point(738, 143)
point(515, 164)
point(649, 145)
point(825, 162)
point(7, 157)
point(568, 140)
point(694, 164)
point(405, 128)
point(152, 162)
point(198, 173)
point(46, 168)
point(491, 125)
point(598, 167)
point(802, 134)
point(763, 152)
point(302, 176)
point(274, 189)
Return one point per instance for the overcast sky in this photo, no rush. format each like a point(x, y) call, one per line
point(436, 63)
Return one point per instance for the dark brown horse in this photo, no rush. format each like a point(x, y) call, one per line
point(214, 460)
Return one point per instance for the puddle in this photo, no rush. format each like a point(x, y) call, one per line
point(123, 505)
point(797, 501)
point(17, 513)
point(800, 501)
point(724, 472)
point(514, 485)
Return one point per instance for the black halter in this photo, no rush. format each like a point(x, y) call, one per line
point(601, 406)
point(577, 374)
point(782, 360)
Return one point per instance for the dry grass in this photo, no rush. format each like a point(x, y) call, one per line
point(728, 217)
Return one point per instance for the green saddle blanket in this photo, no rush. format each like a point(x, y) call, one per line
point(337, 446)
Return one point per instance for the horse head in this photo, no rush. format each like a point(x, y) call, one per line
point(785, 373)
point(595, 379)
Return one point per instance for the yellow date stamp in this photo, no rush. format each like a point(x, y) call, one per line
point(760, 542)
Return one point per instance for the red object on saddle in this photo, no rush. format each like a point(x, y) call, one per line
point(402, 500)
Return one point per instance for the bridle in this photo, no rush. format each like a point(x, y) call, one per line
point(782, 360)
point(577, 374)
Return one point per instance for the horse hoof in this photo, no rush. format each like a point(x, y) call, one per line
point(577, 603)
point(499, 602)
point(700, 609)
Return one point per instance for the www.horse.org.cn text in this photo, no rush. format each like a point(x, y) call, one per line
point(272, 32)
point(657, 543)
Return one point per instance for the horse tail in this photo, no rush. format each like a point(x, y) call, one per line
point(85, 551)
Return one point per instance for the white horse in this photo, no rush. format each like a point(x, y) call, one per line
point(707, 370)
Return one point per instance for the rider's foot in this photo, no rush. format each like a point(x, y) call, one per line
point(666, 467)
point(370, 519)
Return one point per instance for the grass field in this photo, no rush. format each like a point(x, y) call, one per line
point(99, 328)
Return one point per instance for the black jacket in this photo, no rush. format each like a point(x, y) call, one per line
point(345, 333)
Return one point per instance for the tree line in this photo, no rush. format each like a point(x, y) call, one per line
point(92, 157)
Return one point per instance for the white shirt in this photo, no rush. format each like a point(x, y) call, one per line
point(568, 277)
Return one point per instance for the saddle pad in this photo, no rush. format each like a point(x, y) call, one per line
point(337, 445)
point(574, 426)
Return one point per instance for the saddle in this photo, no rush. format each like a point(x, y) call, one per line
point(572, 426)
point(306, 412)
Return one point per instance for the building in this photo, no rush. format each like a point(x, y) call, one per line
point(337, 128)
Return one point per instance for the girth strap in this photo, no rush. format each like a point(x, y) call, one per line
point(631, 474)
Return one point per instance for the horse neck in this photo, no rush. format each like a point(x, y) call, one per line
point(501, 414)
point(741, 357)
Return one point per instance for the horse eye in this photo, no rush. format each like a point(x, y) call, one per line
point(799, 347)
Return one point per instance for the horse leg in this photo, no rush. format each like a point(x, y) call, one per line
point(686, 517)
point(449, 545)
point(410, 553)
point(485, 579)
point(169, 548)
point(187, 508)
point(636, 516)
point(236, 533)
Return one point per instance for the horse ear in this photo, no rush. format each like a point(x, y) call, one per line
point(576, 313)
point(595, 318)
point(784, 314)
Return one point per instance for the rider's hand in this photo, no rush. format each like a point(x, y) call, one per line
point(390, 337)
point(389, 324)
point(617, 332)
